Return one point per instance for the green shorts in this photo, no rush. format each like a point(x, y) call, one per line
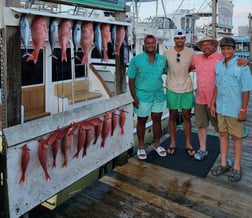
point(176, 101)
point(145, 109)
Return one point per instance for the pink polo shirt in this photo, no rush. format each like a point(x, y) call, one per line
point(205, 71)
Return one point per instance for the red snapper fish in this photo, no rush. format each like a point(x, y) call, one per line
point(106, 38)
point(97, 123)
point(120, 35)
point(114, 122)
point(81, 140)
point(42, 153)
point(65, 32)
point(55, 148)
point(122, 120)
point(25, 158)
point(106, 127)
point(67, 144)
point(89, 136)
point(86, 42)
point(38, 33)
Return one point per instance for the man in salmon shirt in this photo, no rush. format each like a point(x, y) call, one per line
point(204, 65)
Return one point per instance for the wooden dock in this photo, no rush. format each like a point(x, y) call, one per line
point(140, 189)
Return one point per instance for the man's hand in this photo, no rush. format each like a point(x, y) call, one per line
point(242, 62)
point(242, 116)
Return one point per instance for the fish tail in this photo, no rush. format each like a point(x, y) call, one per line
point(33, 57)
point(95, 141)
point(64, 163)
point(84, 152)
point(54, 164)
point(76, 155)
point(26, 54)
point(47, 176)
point(84, 59)
point(117, 51)
point(105, 55)
point(63, 56)
point(22, 179)
point(102, 143)
point(53, 56)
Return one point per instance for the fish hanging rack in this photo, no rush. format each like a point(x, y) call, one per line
point(12, 16)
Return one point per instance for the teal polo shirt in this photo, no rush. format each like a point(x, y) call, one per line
point(148, 77)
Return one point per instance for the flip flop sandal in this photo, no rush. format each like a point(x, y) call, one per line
point(141, 154)
point(160, 151)
point(171, 150)
point(190, 152)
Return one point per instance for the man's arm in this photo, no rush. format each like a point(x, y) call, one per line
point(243, 111)
point(132, 92)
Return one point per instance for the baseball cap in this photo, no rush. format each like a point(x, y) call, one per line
point(149, 36)
point(179, 33)
point(227, 41)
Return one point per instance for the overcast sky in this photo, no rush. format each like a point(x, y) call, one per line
point(240, 16)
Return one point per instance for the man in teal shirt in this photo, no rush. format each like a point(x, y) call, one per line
point(146, 87)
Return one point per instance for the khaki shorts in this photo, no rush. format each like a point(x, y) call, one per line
point(203, 116)
point(230, 125)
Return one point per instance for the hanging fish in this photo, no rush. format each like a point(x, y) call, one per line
point(25, 33)
point(97, 123)
point(90, 133)
point(39, 34)
point(42, 154)
point(55, 148)
point(113, 36)
point(98, 39)
point(67, 142)
point(87, 38)
point(122, 120)
point(54, 141)
point(120, 35)
point(106, 128)
point(65, 31)
point(25, 158)
point(53, 34)
point(76, 37)
point(81, 140)
point(114, 122)
point(106, 38)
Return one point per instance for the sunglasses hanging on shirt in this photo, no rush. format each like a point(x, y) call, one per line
point(178, 56)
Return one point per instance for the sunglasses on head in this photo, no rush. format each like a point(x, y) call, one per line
point(178, 56)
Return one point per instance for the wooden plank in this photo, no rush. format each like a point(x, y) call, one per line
point(154, 199)
point(220, 198)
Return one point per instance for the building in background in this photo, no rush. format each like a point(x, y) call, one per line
point(243, 31)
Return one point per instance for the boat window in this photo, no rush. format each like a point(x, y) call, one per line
point(61, 70)
point(185, 23)
point(32, 73)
